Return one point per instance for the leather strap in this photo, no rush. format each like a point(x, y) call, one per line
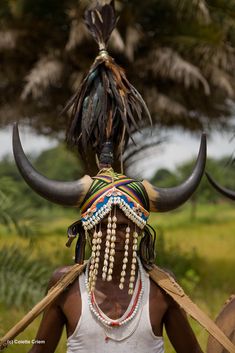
point(171, 287)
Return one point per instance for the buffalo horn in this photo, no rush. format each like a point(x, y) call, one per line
point(69, 193)
point(226, 192)
point(166, 199)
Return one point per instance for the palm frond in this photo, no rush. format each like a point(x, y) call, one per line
point(16, 214)
point(202, 11)
point(45, 73)
point(168, 64)
point(116, 42)
point(133, 37)
point(23, 279)
point(78, 33)
point(221, 80)
point(8, 39)
point(162, 104)
point(222, 56)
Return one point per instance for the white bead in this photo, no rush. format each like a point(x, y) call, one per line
point(105, 263)
point(134, 247)
point(127, 241)
point(113, 238)
point(134, 260)
point(124, 266)
point(108, 231)
point(103, 276)
point(131, 285)
point(114, 226)
point(112, 245)
point(109, 219)
point(113, 231)
point(134, 254)
point(126, 253)
point(109, 278)
point(111, 265)
point(133, 266)
point(125, 260)
point(123, 273)
point(112, 252)
point(98, 247)
point(114, 219)
point(110, 271)
point(105, 269)
point(122, 279)
point(132, 279)
point(111, 258)
point(121, 286)
point(126, 247)
point(127, 235)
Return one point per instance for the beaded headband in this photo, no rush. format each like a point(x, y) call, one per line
point(109, 189)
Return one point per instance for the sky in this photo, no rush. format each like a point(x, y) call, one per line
point(180, 147)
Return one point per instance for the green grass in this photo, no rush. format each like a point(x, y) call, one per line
point(211, 236)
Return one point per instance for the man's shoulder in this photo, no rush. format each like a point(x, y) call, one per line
point(158, 292)
point(58, 274)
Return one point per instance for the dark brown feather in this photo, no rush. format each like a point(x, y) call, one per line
point(106, 107)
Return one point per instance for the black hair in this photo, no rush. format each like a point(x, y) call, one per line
point(147, 247)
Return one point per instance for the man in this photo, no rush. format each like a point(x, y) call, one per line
point(113, 306)
point(86, 333)
point(119, 309)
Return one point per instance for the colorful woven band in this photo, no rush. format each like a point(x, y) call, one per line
point(109, 189)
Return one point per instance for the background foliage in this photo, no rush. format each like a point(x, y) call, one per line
point(179, 54)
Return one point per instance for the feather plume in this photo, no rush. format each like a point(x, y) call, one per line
point(106, 107)
point(100, 22)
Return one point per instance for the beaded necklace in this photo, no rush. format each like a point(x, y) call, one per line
point(133, 310)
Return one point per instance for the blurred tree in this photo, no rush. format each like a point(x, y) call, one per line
point(179, 54)
point(23, 278)
point(16, 213)
point(60, 164)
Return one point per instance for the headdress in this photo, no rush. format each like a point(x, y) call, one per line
point(106, 110)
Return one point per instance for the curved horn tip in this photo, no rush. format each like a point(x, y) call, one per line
point(203, 138)
point(63, 193)
point(167, 199)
